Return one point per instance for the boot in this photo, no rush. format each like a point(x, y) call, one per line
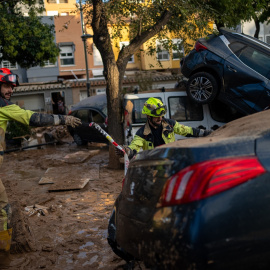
point(5, 259)
point(5, 240)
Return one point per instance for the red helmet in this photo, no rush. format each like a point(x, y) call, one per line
point(6, 76)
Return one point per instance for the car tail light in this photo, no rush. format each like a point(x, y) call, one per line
point(205, 179)
point(69, 113)
point(199, 47)
point(106, 121)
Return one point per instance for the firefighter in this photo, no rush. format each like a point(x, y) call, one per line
point(158, 130)
point(10, 111)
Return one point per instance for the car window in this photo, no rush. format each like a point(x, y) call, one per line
point(182, 109)
point(222, 112)
point(83, 115)
point(236, 46)
point(136, 108)
point(97, 118)
point(256, 60)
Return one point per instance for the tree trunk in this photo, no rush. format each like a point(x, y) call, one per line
point(257, 25)
point(111, 73)
point(114, 71)
point(115, 126)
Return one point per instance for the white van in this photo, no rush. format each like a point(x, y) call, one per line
point(179, 108)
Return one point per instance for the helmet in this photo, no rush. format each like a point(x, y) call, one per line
point(154, 107)
point(6, 76)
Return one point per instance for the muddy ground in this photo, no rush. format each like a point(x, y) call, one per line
point(72, 233)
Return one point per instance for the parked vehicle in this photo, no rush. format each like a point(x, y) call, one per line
point(199, 203)
point(92, 109)
point(180, 108)
point(231, 67)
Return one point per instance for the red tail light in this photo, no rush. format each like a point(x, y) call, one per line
point(199, 47)
point(69, 113)
point(208, 178)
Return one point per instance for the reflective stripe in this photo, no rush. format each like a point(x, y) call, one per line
point(56, 119)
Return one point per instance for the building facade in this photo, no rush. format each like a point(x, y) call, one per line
point(41, 87)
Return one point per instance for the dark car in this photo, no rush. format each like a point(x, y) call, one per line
point(199, 203)
point(91, 109)
point(233, 67)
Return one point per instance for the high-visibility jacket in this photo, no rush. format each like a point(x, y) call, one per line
point(10, 111)
point(144, 138)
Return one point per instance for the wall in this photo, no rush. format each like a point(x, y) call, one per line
point(44, 74)
point(59, 8)
point(68, 29)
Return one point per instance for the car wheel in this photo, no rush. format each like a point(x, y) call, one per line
point(78, 140)
point(202, 88)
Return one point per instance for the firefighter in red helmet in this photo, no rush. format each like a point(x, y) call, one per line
point(10, 111)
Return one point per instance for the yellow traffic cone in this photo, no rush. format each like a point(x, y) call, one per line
point(5, 240)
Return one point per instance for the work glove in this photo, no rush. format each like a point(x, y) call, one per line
point(206, 132)
point(197, 132)
point(72, 121)
point(120, 153)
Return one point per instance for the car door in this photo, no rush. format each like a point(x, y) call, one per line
point(81, 130)
point(93, 135)
point(244, 78)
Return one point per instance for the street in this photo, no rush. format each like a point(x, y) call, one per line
point(70, 232)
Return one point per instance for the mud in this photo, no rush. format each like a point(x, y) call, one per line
point(71, 233)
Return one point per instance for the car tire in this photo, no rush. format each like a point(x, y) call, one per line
point(202, 88)
point(112, 241)
point(78, 140)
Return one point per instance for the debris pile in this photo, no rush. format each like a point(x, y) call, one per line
point(36, 209)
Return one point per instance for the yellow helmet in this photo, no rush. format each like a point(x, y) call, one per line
point(154, 107)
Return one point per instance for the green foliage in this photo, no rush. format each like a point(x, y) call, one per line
point(231, 12)
point(188, 19)
point(17, 129)
point(25, 39)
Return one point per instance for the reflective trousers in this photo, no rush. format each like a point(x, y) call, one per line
point(5, 217)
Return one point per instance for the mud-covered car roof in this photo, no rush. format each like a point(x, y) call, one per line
point(248, 127)
point(98, 102)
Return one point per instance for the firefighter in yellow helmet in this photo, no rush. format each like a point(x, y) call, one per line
point(158, 130)
point(10, 111)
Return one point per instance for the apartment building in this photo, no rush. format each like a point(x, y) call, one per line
point(60, 7)
point(42, 86)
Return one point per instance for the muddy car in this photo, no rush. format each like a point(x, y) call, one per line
point(199, 203)
point(91, 109)
point(231, 67)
